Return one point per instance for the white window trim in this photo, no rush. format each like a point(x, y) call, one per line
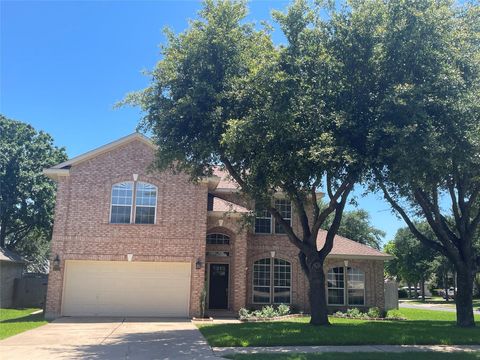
point(364, 287)
point(337, 288)
point(263, 218)
point(346, 299)
point(133, 206)
point(152, 206)
point(272, 284)
point(112, 205)
point(289, 219)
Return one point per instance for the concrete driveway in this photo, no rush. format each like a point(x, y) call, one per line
point(112, 338)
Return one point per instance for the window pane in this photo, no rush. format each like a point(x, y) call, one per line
point(356, 297)
point(146, 194)
point(263, 226)
point(336, 297)
point(145, 215)
point(261, 294)
point(218, 239)
point(120, 214)
point(261, 281)
point(356, 286)
point(284, 207)
point(335, 278)
point(122, 194)
point(281, 295)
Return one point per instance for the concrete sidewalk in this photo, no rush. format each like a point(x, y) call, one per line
point(222, 351)
point(434, 307)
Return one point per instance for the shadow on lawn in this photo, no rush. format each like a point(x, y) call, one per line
point(28, 318)
point(352, 333)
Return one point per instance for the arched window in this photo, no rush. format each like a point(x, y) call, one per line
point(272, 281)
point(346, 291)
point(122, 206)
point(145, 203)
point(356, 286)
point(218, 239)
point(122, 195)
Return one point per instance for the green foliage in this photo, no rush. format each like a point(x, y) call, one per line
point(413, 261)
point(267, 312)
point(283, 309)
point(26, 196)
point(244, 314)
point(355, 225)
point(375, 313)
point(394, 314)
point(203, 300)
point(354, 313)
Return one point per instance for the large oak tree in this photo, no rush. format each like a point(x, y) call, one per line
point(27, 197)
point(223, 94)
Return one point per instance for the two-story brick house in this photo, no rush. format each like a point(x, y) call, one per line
point(131, 242)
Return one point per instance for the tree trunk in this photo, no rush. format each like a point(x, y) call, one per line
point(3, 234)
point(317, 295)
point(464, 296)
point(409, 291)
point(422, 284)
point(445, 284)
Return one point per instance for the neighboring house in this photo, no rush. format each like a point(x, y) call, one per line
point(11, 268)
point(131, 242)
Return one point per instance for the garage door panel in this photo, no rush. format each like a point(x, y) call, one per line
point(114, 288)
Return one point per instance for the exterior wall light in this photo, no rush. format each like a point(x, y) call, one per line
point(56, 263)
point(198, 264)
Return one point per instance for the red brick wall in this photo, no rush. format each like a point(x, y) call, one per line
point(82, 229)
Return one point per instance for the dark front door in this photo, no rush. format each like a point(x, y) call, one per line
point(218, 289)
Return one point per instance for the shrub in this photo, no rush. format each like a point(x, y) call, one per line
point(402, 293)
point(339, 314)
point(244, 314)
point(269, 312)
point(374, 312)
point(283, 310)
point(394, 314)
point(354, 313)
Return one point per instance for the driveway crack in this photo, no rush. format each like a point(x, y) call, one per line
point(111, 332)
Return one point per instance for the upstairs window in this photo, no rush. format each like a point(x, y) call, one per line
point(122, 208)
point(284, 207)
point(263, 222)
point(145, 203)
point(122, 195)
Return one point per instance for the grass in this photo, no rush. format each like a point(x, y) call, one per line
point(437, 300)
point(423, 327)
point(15, 321)
point(360, 356)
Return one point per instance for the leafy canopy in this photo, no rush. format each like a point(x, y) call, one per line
point(27, 197)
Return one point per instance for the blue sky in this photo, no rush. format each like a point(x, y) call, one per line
point(64, 64)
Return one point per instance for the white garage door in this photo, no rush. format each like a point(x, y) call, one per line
point(121, 288)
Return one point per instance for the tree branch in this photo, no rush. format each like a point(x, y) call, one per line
point(409, 223)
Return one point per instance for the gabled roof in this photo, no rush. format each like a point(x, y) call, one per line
point(346, 248)
point(11, 256)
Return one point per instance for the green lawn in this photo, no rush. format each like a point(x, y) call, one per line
point(360, 356)
point(422, 327)
point(437, 300)
point(14, 321)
